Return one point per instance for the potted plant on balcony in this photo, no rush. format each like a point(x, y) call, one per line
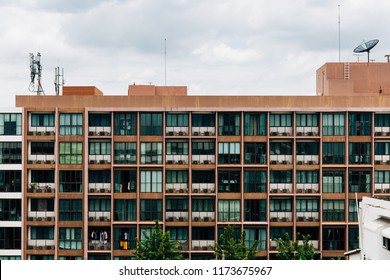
point(33, 187)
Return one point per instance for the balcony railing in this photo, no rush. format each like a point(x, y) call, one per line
point(382, 131)
point(40, 244)
point(176, 159)
point(41, 130)
point(41, 187)
point(99, 159)
point(99, 216)
point(308, 159)
point(308, 188)
point(177, 188)
point(176, 131)
point(98, 245)
point(183, 245)
point(203, 216)
point(47, 216)
point(281, 188)
point(41, 159)
point(99, 131)
point(203, 245)
point(382, 159)
point(280, 131)
point(382, 188)
point(203, 131)
point(203, 159)
point(307, 131)
point(176, 216)
point(308, 216)
point(280, 216)
point(360, 159)
point(99, 187)
point(280, 159)
point(203, 187)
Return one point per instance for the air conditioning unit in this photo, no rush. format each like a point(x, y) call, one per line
point(195, 190)
point(170, 219)
point(196, 219)
point(196, 133)
point(195, 162)
point(91, 133)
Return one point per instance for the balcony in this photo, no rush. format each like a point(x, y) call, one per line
point(99, 216)
point(99, 187)
point(99, 131)
point(41, 187)
point(281, 188)
point(203, 187)
point(41, 130)
point(281, 159)
point(203, 131)
point(308, 216)
point(203, 245)
point(99, 245)
point(382, 188)
point(307, 159)
point(250, 158)
point(41, 159)
point(176, 216)
point(308, 188)
point(177, 188)
point(46, 216)
point(176, 131)
point(203, 216)
point(307, 131)
point(176, 159)
point(203, 159)
point(382, 159)
point(315, 243)
point(280, 131)
point(382, 131)
point(99, 159)
point(40, 244)
point(183, 245)
point(360, 159)
point(280, 216)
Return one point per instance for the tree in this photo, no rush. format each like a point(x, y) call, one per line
point(157, 246)
point(230, 248)
point(292, 250)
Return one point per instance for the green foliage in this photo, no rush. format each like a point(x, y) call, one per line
point(157, 246)
point(230, 248)
point(292, 250)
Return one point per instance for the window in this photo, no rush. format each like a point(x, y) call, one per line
point(229, 181)
point(42, 233)
point(307, 177)
point(333, 124)
point(359, 123)
point(125, 153)
point(176, 205)
point(352, 211)
point(71, 153)
point(99, 120)
point(70, 209)
point(99, 176)
point(125, 210)
point(229, 210)
point(382, 120)
point(359, 181)
point(203, 205)
point(203, 120)
point(151, 209)
point(278, 232)
point(10, 152)
point(177, 148)
point(125, 180)
point(280, 120)
point(10, 181)
point(255, 181)
point(42, 204)
point(255, 153)
point(177, 120)
point(10, 209)
point(203, 233)
point(229, 153)
point(177, 177)
point(125, 123)
point(71, 181)
point(382, 148)
point(255, 124)
point(151, 181)
point(307, 205)
point(281, 148)
point(42, 119)
point(151, 123)
point(99, 204)
point(151, 153)
point(333, 181)
point(255, 210)
point(382, 177)
point(71, 124)
point(333, 153)
point(125, 238)
point(229, 124)
point(203, 148)
point(281, 177)
point(70, 239)
point(333, 210)
point(11, 124)
point(178, 233)
point(203, 177)
point(280, 205)
point(307, 148)
point(307, 120)
point(256, 234)
point(359, 153)
point(99, 148)
point(353, 238)
point(42, 148)
point(10, 238)
point(42, 176)
point(333, 238)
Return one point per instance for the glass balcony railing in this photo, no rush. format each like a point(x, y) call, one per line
point(176, 216)
point(203, 216)
point(308, 216)
point(280, 216)
point(203, 245)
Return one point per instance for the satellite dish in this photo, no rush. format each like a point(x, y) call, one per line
point(366, 47)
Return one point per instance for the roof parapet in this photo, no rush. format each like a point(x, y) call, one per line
point(81, 90)
point(151, 90)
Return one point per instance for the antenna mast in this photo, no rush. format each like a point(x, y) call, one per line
point(58, 79)
point(36, 71)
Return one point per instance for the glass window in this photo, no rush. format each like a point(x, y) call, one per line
point(10, 180)
point(203, 120)
point(177, 120)
point(229, 124)
point(99, 176)
point(280, 205)
point(281, 148)
point(70, 210)
point(255, 153)
point(11, 124)
point(333, 181)
point(125, 210)
point(99, 119)
point(382, 148)
point(352, 210)
point(203, 176)
point(382, 177)
point(125, 152)
point(229, 152)
point(42, 176)
point(176, 177)
point(11, 210)
point(203, 205)
point(71, 124)
point(45, 232)
point(151, 123)
point(382, 120)
point(177, 148)
point(256, 234)
point(333, 153)
point(307, 120)
point(125, 123)
point(307, 148)
point(99, 148)
point(151, 209)
point(42, 119)
point(71, 153)
point(280, 120)
point(229, 210)
point(10, 152)
point(125, 238)
point(10, 238)
point(307, 177)
point(359, 181)
point(307, 205)
point(281, 177)
point(151, 181)
point(255, 124)
point(255, 210)
point(333, 124)
point(333, 238)
point(203, 148)
point(353, 238)
point(359, 153)
point(100, 204)
point(70, 239)
point(151, 153)
point(255, 181)
point(176, 205)
point(71, 181)
point(229, 181)
point(125, 181)
point(359, 123)
point(42, 148)
point(333, 210)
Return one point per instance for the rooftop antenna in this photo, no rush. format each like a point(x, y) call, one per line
point(36, 71)
point(58, 79)
point(366, 47)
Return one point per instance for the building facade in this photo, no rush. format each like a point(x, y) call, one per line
point(98, 170)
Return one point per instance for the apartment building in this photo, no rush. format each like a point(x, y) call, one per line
point(10, 184)
point(98, 170)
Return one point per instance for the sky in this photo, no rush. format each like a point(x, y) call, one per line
point(227, 47)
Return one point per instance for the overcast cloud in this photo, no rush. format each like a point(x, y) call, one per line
point(213, 46)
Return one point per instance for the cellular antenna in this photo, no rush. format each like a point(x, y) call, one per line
point(366, 47)
point(36, 71)
point(58, 79)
